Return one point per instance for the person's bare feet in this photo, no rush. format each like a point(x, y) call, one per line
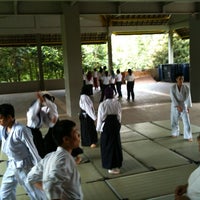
point(93, 145)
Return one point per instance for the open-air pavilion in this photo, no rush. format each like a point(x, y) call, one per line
point(72, 23)
point(154, 163)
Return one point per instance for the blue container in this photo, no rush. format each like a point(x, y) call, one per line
point(169, 72)
point(186, 72)
point(160, 73)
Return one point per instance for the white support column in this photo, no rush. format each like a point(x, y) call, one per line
point(170, 48)
point(194, 57)
point(71, 40)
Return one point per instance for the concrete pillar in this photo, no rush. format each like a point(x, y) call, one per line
point(194, 57)
point(170, 48)
point(71, 40)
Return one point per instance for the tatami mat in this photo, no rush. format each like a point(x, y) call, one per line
point(150, 130)
point(130, 165)
point(151, 184)
point(91, 176)
point(98, 191)
point(165, 197)
point(153, 155)
point(166, 124)
point(131, 136)
point(127, 134)
point(187, 149)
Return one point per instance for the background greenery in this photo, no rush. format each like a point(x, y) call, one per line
point(138, 52)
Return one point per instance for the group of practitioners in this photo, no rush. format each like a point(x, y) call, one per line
point(103, 78)
point(46, 166)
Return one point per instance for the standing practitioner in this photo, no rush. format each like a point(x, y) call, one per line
point(109, 124)
point(57, 173)
point(105, 83)
point(18, 145)
point(87, 118)
point(43, 112)
point(113, 81)
point(89, 82)
point(130, 85)
point(35, 121)
point(119, 83)
point(180, 104)
point(50, 119)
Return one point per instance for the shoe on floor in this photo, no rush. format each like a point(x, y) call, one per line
point(114, 171)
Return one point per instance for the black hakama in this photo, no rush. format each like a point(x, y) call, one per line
point(88, 129)
point(38, 141)
point(111, 150)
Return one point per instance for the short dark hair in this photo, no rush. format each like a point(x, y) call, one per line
point(61, 129)
point(179, 74)
point(85, 90)
point(108, 93)
point(49, 97)
point(7, 109)
point(129, 71)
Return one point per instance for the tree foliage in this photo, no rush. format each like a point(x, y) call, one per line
point(94, 56)
point(138, 52)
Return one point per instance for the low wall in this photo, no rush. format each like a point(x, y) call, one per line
point(30, 86)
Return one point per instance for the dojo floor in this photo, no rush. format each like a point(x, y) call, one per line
point(154, 163)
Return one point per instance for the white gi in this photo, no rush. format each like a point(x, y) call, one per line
point(180, 98)
point(193, 189)
point(108, 107)
point(86, 104)
point(47, 113)
point(22, 155)
point(59, 175)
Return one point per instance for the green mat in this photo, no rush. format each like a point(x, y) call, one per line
point(153, 155)
point(166, 124)
point(151, 184)
point(150, 130)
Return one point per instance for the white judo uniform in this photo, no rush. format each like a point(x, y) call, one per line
point(59, 175)
point(22, 155)
point(193, 189)
point(180, 98)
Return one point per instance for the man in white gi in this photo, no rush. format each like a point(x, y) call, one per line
point(57, 173)
point(181, 102)
point(191, 190)
point(17, 144)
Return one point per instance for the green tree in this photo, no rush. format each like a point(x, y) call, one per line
point(94, 56)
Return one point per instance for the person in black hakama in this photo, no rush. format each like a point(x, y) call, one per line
point(109, 124)
point(87, 119)
point(37, 116)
